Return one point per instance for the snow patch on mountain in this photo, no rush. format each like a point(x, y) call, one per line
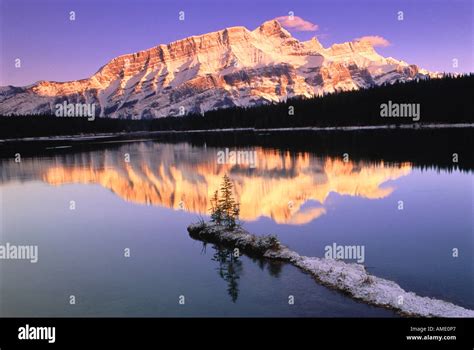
point(230, 67)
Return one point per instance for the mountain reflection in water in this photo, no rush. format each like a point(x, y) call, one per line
point(181, 176)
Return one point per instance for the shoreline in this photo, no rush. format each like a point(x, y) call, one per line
point(350, 278)
point(136, 135)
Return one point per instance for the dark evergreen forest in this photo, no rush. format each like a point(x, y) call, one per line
point(446, 100)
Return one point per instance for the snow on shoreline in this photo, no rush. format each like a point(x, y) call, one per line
point(350, 278)
point(354, 280)
point(92, 137)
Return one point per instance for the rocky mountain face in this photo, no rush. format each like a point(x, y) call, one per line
point(230, 67)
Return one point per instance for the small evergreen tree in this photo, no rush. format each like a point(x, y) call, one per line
point(225, 209)
point(216, 214)
point(227, 202)
point(235, 214)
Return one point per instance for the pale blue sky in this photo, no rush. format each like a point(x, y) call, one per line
point(51, 47)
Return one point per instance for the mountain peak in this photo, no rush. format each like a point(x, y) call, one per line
point(314, 44)
point(228, 67)
point(362, 44)
point(273, 28)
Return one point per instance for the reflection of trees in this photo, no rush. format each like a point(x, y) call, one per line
point(273, 267)
point(229, 270)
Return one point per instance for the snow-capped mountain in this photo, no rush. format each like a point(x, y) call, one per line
point(230, 67)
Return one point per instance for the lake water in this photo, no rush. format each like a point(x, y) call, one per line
point(140, 196)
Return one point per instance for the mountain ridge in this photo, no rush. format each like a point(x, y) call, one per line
point(229, 67)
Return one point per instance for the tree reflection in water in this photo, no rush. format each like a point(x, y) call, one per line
point(230, 268)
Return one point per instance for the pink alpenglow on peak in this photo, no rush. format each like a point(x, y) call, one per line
point(272, 28)
point(230, 67)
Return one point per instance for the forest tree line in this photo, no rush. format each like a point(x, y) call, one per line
point(444, 100)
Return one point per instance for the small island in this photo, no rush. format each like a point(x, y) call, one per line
point(352, 279)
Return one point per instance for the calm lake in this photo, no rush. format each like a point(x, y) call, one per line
point(86, 206)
